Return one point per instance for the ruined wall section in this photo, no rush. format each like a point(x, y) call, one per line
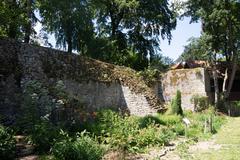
point(95, 83)
point(189, 81)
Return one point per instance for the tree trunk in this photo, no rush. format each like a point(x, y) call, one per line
point(232, 76)
point(12, 30)
point(28, 27)
point(231, 80)
point(114, 28)
point(224, 88)
point(116, 17)
point(225, 81)
point(69, 42)
point(216, 86)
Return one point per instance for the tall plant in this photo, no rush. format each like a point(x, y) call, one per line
point(176, 105)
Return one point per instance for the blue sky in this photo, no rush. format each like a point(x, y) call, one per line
point(183, 32)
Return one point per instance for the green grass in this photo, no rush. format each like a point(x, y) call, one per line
point(229, 138)
point(136, 134)
point(133, 134)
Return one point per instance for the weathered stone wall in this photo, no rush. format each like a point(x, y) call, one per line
point(189, 81)
point(96, 84)
point(9, 83)
point(97, 95)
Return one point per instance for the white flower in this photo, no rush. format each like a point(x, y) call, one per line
point(60, 101)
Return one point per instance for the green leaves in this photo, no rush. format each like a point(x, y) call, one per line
point(70, 21)
point(17, 19)
point(197, 49)
point(83, 147)
point(176, 103)
point(220, 20)
point(134, 26)
point(7, 144)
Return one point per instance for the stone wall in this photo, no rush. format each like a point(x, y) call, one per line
point(189, 81)
point(97, 84)
point(97, 95)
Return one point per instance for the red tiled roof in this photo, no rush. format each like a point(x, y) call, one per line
point(190, 64)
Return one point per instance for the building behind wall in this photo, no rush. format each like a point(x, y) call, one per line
point(189, 81)
point(194, 78)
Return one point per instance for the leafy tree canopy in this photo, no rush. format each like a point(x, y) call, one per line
point(221, 22)
point(70, 21)
point(197, 49)
point(135, 23)
point(15, 16)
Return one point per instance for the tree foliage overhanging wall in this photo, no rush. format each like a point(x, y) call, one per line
point(117, 31)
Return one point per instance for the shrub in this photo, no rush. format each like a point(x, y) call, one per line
point(176, 107)
point(82, 148)
point(153, 135)
point(105, 122)
point(7, 144)
point(200, 102)
point(36, 104)
point(196, 128)
point(178, 129)
point(43, 135)
point(150, 76)
point(173, 122)
point(131, 133)
point(236, 103)
point(122, 133)
point(170, 119)
point(148, 120)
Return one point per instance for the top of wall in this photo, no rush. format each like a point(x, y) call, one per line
point(46, 63)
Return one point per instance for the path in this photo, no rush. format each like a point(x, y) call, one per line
point(24, 151)
point(225, 145)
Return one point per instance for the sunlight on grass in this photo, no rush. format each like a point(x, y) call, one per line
point(229, 139)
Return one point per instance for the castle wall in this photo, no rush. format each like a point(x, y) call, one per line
point(189, 81)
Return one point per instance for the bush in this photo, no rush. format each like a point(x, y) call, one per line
point(153, 135)
point(176, 107)
point(135, 134)
point(132, 133)
point(170, 120)
point(43, 135)
point(37, 103)
point(118, 131)
point(148, 120)
point(7, 144)
point(196, 128)
point(236, 103)
point(82, 148)
point(200, 102)
point(150, 76)
point(174, 123)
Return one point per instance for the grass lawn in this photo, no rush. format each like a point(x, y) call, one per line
point(229, 140)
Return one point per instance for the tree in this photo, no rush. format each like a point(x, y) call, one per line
point(134, 26)
point(70, 21)
point(10, 18)
point(196, 49)
point(220, 19)
point(17, 19)
point(161, 63)
point(30, 20)
point(176, 104)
